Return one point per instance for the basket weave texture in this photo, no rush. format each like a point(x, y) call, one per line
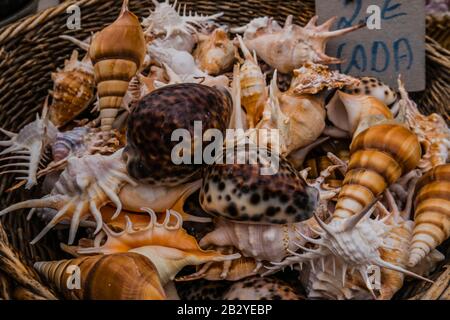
point(31, 49)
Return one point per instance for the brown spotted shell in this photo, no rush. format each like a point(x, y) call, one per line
point(262, 288)
point(157, 116)
point(240, 192)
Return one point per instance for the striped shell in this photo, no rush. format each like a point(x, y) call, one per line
point(432, 213)
point(117, 53)
point(378, 157)
point(122, 276)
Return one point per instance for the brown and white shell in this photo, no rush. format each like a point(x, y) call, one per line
point(215, 53)
point(73, 89)
point(117, 53)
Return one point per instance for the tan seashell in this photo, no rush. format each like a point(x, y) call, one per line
point(348, 112)
point(259, 241)
point(117, 53)
point(378, 157)
point(166, 244)
point(289, 47)
point(253, 86)
point(299, 119)
point(215, 53)
point(432, 131)
point(233, 270)
point(122, 276)
point(73, 90)
point(312, 78)
point(431, 214)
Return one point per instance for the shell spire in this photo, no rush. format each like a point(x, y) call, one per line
point(432, 213)
point(379, 156)
point(117, 53)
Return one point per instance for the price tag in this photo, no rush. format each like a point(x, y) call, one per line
point(393, 41)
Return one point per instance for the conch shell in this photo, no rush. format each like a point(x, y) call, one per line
point(431, 214)
point(215, 53)
point(121, 276)
point(287, 48)
point(86, 184)
point(347, 112)
point(355, 241)
point(432, 131)
point(117, 53)
point(28, 145)
point(73, 90)
point(166, 244)
point(299, 119)
point(233, 270)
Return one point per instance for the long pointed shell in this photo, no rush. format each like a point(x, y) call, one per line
point(253, 87)
point(117, 53)
point(378, 157)
point(432, 213)
point(122, 276)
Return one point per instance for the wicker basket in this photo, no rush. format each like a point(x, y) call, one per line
point(30, 50)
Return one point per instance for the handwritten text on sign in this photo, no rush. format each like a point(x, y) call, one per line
point(393, 41)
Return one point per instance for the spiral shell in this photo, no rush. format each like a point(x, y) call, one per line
point(117, 53)
point(215, 52)
point(432, 213)
point(122, 276)
point(378, 157)
point(152, 122)
point(253, 87)
point(73, 90)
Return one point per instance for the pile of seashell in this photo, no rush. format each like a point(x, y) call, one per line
point(363, 182)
